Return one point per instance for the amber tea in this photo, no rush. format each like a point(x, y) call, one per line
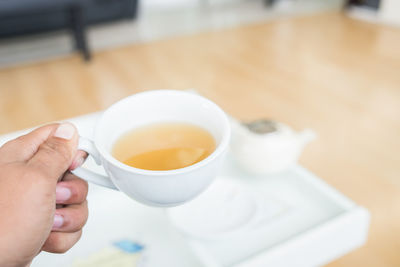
point(164, 146)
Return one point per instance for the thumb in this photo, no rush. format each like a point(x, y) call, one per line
point(55, 155)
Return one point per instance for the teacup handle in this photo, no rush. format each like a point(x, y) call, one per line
point(89, 147)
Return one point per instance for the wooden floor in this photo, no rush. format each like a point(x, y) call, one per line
point(336, 75)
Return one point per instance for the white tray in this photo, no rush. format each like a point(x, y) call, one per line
point(318, 226)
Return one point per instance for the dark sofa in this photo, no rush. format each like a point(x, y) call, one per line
point(21, 17)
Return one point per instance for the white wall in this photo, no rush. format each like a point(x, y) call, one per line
point(191, 3)
point(389, 11)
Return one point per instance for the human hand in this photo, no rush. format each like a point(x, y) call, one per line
point(34, 177)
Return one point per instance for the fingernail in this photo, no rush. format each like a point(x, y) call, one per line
point(78, 162)
point(62, 193)
point(65, 131)
point(58, 221)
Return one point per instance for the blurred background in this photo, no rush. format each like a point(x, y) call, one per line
point(329, 65)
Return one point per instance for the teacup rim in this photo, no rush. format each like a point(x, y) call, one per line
point(221, 147)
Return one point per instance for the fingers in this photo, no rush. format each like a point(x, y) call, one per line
point(71, 190)
point(55, 154)
point(71, 218)
point(59, 242)
point(79, 158)
point(25, 146)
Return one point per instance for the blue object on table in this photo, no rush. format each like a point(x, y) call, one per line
point(128, 246)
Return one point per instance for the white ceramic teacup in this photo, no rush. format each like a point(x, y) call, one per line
point(156, 188)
